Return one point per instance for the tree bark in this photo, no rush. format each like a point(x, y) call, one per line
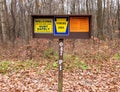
point(13, 17)
point(99, 18)
point(73, 12)
point(62, 10)
point(1, 40)
point(87, 6)
point(109, 20)
point(119, 18)
point(3, 22)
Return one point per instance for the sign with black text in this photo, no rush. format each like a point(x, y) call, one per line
point(42, 25)
point(61, 26)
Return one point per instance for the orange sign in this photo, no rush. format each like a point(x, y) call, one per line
point(79, 24)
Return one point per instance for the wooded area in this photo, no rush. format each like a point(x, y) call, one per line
point(15, 16)
point(31, 65)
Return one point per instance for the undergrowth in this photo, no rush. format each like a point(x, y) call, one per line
point(12, 66)
point(74, 62)
point(71, 62)
point(116, 56)
point(50, 53)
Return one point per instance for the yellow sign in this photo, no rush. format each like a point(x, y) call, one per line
point(43, 25)
point(61, 25)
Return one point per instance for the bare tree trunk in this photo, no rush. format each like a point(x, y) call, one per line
point(119, 18)
point(13, 13)
point(21, 20)
point(37, 10)
point(73, 12)
point(3, 22)
point(87, 6)
point(109, 20)
point(99, 18)
point(62, 9)
point(50, 12)
point(73, 7)
point(24, 21)
point(104, 8)
point(26, 36)
point(50, 6)
point(1, 40)
point(79, 6)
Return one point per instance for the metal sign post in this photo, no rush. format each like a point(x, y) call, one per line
point(60, 64)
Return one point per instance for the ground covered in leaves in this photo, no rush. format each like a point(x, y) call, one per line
point(92, 66)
